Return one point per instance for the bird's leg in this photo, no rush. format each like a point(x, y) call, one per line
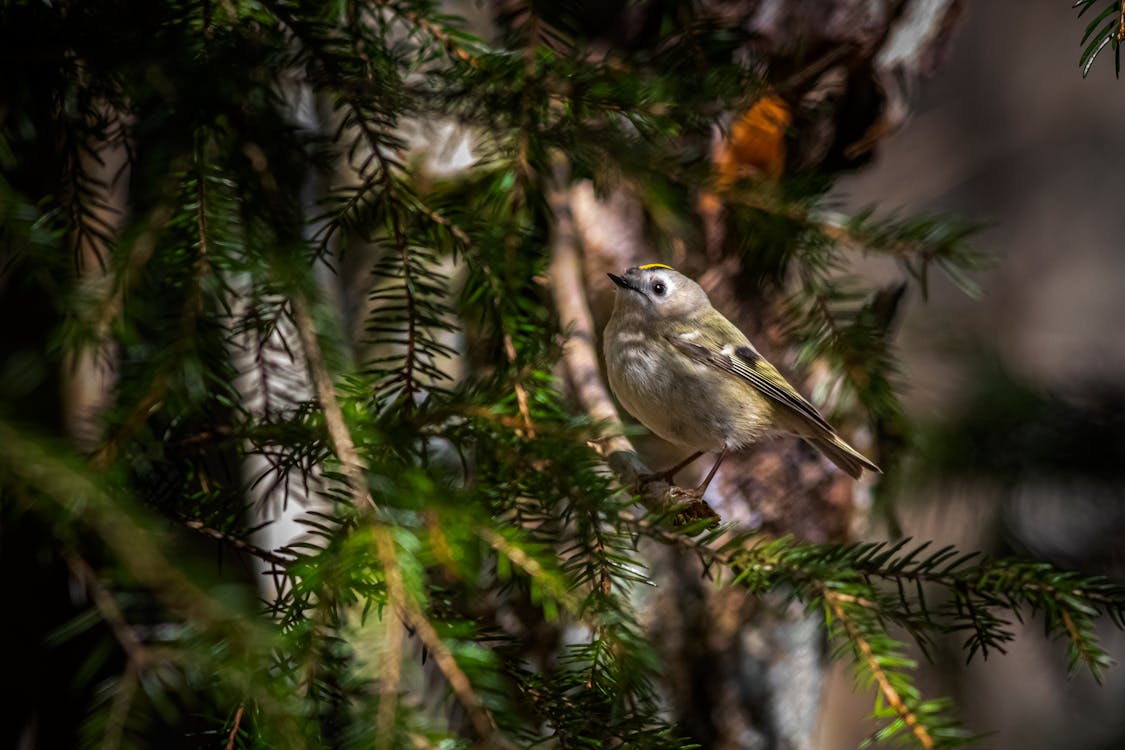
point(698, 491)
point(668, 474)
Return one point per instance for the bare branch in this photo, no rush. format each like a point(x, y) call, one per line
point(234, 729)
point(240, 544)
point(338, 432)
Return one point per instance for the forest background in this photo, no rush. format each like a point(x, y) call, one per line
point(336, 270)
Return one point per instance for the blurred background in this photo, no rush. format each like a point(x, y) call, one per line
point(1019, 391)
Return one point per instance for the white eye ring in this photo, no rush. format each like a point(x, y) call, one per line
point(658, 288)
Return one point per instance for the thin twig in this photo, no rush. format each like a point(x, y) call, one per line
point(111, 306)
point(113, 302)
point(133, 422)
point(135, 650)
point(234, 729)
point(437, 32)
point(521, 391)
point(136, 653)
point(338, 432)
point(527, 564)
point(479, 716)
point(119, 711)
point(1079, 642)
point(390, 680)
point(909, 718)
point(240, 544)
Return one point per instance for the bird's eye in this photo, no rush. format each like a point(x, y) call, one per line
point(658, 288)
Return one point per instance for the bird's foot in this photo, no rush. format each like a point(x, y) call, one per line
point(668, 475)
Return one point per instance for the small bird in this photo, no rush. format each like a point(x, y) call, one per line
point(689, 375)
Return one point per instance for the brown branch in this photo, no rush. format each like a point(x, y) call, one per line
point(580, 357)
point(479, 716)
point(135, 650)
point(1079, 643)
point(521, 392)
point(137, 654)
point(352, 467)
point(437, 32)
point(119, 711)
point(909, 718)
point(338, 432)
point(234, 729)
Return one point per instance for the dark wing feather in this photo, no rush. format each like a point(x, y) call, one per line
point(750, 366)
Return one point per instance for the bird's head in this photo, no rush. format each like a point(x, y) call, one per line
point(655, 291)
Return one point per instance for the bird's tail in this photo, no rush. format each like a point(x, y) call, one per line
point(843, 455)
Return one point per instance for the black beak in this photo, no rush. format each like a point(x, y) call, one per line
point(621, 282)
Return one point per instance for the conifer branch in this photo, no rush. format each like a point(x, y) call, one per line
point(338, 433)
point(483, 723)
point(534, 569)
point(835, 601)
point(1107, 28)
point(73, 495)
point(447, 39)
point(124, 536)
point(352, 467)
point(134, 421)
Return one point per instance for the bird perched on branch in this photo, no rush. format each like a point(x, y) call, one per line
point(689, 375)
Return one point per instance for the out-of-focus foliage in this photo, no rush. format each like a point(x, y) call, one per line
point(470, 574)
point(1106, 28)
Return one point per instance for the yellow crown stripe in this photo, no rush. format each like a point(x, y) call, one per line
point(647, 266)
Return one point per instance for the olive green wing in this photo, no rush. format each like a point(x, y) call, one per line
point(738, 357)
point(745, 363)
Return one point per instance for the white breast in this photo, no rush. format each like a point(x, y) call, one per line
point(667, 393)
